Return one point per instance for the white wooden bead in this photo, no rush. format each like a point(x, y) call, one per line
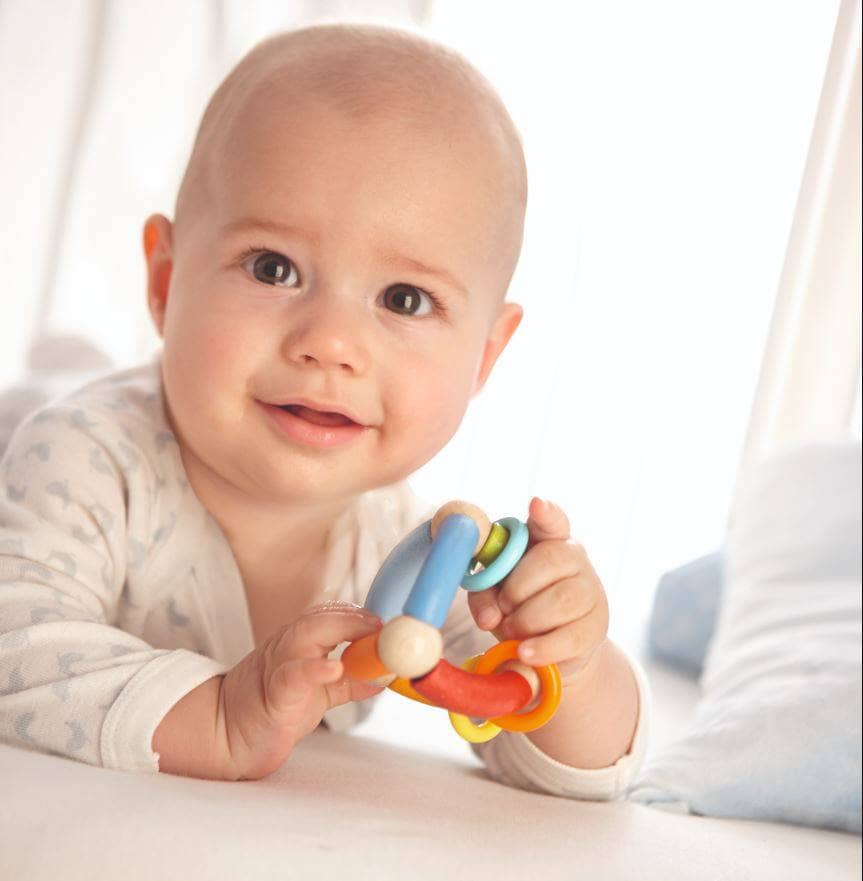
point(476, 514)
point(409, 647)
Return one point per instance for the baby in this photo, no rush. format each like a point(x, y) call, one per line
point(184, 545)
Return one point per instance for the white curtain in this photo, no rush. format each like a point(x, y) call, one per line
point(809, 385)
point(665, 146)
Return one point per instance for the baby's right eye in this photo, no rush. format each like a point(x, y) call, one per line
point(271, 268)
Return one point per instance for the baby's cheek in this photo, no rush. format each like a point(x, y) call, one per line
point(434, 405)
point(207, 367)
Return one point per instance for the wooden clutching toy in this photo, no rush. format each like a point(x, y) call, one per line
point(413, 592)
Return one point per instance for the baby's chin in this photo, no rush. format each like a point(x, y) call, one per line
point(303, 484)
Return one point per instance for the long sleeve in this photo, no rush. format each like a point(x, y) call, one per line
point(71, 532)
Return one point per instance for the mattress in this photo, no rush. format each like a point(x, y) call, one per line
point(400, 796)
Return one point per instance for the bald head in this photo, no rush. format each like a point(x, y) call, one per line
point(366, 73)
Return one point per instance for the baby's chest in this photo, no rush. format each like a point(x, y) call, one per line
point(277, 601)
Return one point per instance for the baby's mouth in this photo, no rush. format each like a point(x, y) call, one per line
point(317, 416)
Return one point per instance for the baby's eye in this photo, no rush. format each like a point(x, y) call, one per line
point(407, 300)
point(272, 268)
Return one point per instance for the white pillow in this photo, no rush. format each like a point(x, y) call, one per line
point(777, 733)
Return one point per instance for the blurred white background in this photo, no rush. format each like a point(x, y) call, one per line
point(665, 145)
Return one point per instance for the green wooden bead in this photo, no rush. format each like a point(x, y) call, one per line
point(497, 539)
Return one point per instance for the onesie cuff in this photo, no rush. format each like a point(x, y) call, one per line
point(127, 732)
point(514, 759)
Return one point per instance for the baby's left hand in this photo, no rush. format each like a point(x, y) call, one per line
point(553, 596)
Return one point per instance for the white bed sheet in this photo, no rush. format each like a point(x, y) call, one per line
point(359, 806)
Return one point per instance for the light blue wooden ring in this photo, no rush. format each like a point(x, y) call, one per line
point(505, 561)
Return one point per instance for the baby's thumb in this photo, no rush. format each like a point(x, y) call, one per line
point(546, 521)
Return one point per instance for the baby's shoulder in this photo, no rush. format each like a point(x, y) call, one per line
point(124, 400)
point(119, 416)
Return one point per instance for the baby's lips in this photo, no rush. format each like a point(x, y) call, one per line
point(318, 411)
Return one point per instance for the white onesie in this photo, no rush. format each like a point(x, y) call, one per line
point(119, 593)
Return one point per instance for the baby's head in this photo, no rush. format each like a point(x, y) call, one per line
point(344, 236)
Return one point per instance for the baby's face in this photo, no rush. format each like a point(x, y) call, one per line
point(354, 268)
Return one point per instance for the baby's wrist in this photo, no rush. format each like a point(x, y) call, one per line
point(581, 674)
point(597, 716)
point(191, 740)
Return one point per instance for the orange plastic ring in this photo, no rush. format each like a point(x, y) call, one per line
point(405, 689)
point(549, 677)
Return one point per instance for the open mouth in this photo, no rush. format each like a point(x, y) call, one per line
point(322, 429)
point(317, 417)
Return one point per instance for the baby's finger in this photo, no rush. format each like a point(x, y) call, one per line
point(546, 521)
point(346, 690)
point(560, 603)
point(484, 608)
point(572, 643)
point(317, 632)
point(545, 563)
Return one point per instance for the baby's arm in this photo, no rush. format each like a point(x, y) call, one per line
point(71, 683)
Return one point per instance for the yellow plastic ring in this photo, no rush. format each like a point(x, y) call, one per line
point(549, 677)
point(471, 732)
point(464, 727)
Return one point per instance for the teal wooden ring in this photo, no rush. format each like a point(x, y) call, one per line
point(505, 561)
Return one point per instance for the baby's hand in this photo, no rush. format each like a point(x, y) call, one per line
point(553, 596)
point(278, 693)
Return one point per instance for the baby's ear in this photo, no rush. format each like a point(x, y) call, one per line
point(501, 331)
point(159, 256)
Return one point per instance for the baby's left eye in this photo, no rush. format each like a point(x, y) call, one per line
point(407, 300)
point(271, 268)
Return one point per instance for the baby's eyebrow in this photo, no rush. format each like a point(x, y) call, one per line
point(408, 264)
point(255, 223)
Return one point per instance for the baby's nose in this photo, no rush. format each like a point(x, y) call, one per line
point(329, 338)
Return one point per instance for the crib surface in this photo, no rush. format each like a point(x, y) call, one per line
point(350, 805)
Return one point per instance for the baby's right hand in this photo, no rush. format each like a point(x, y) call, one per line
point(278, 693)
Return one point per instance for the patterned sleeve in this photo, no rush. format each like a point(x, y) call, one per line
point(72, 683)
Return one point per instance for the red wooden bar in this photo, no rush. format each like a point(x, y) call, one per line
point(481, 696)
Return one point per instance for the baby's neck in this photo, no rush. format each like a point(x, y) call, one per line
point(279, 547)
